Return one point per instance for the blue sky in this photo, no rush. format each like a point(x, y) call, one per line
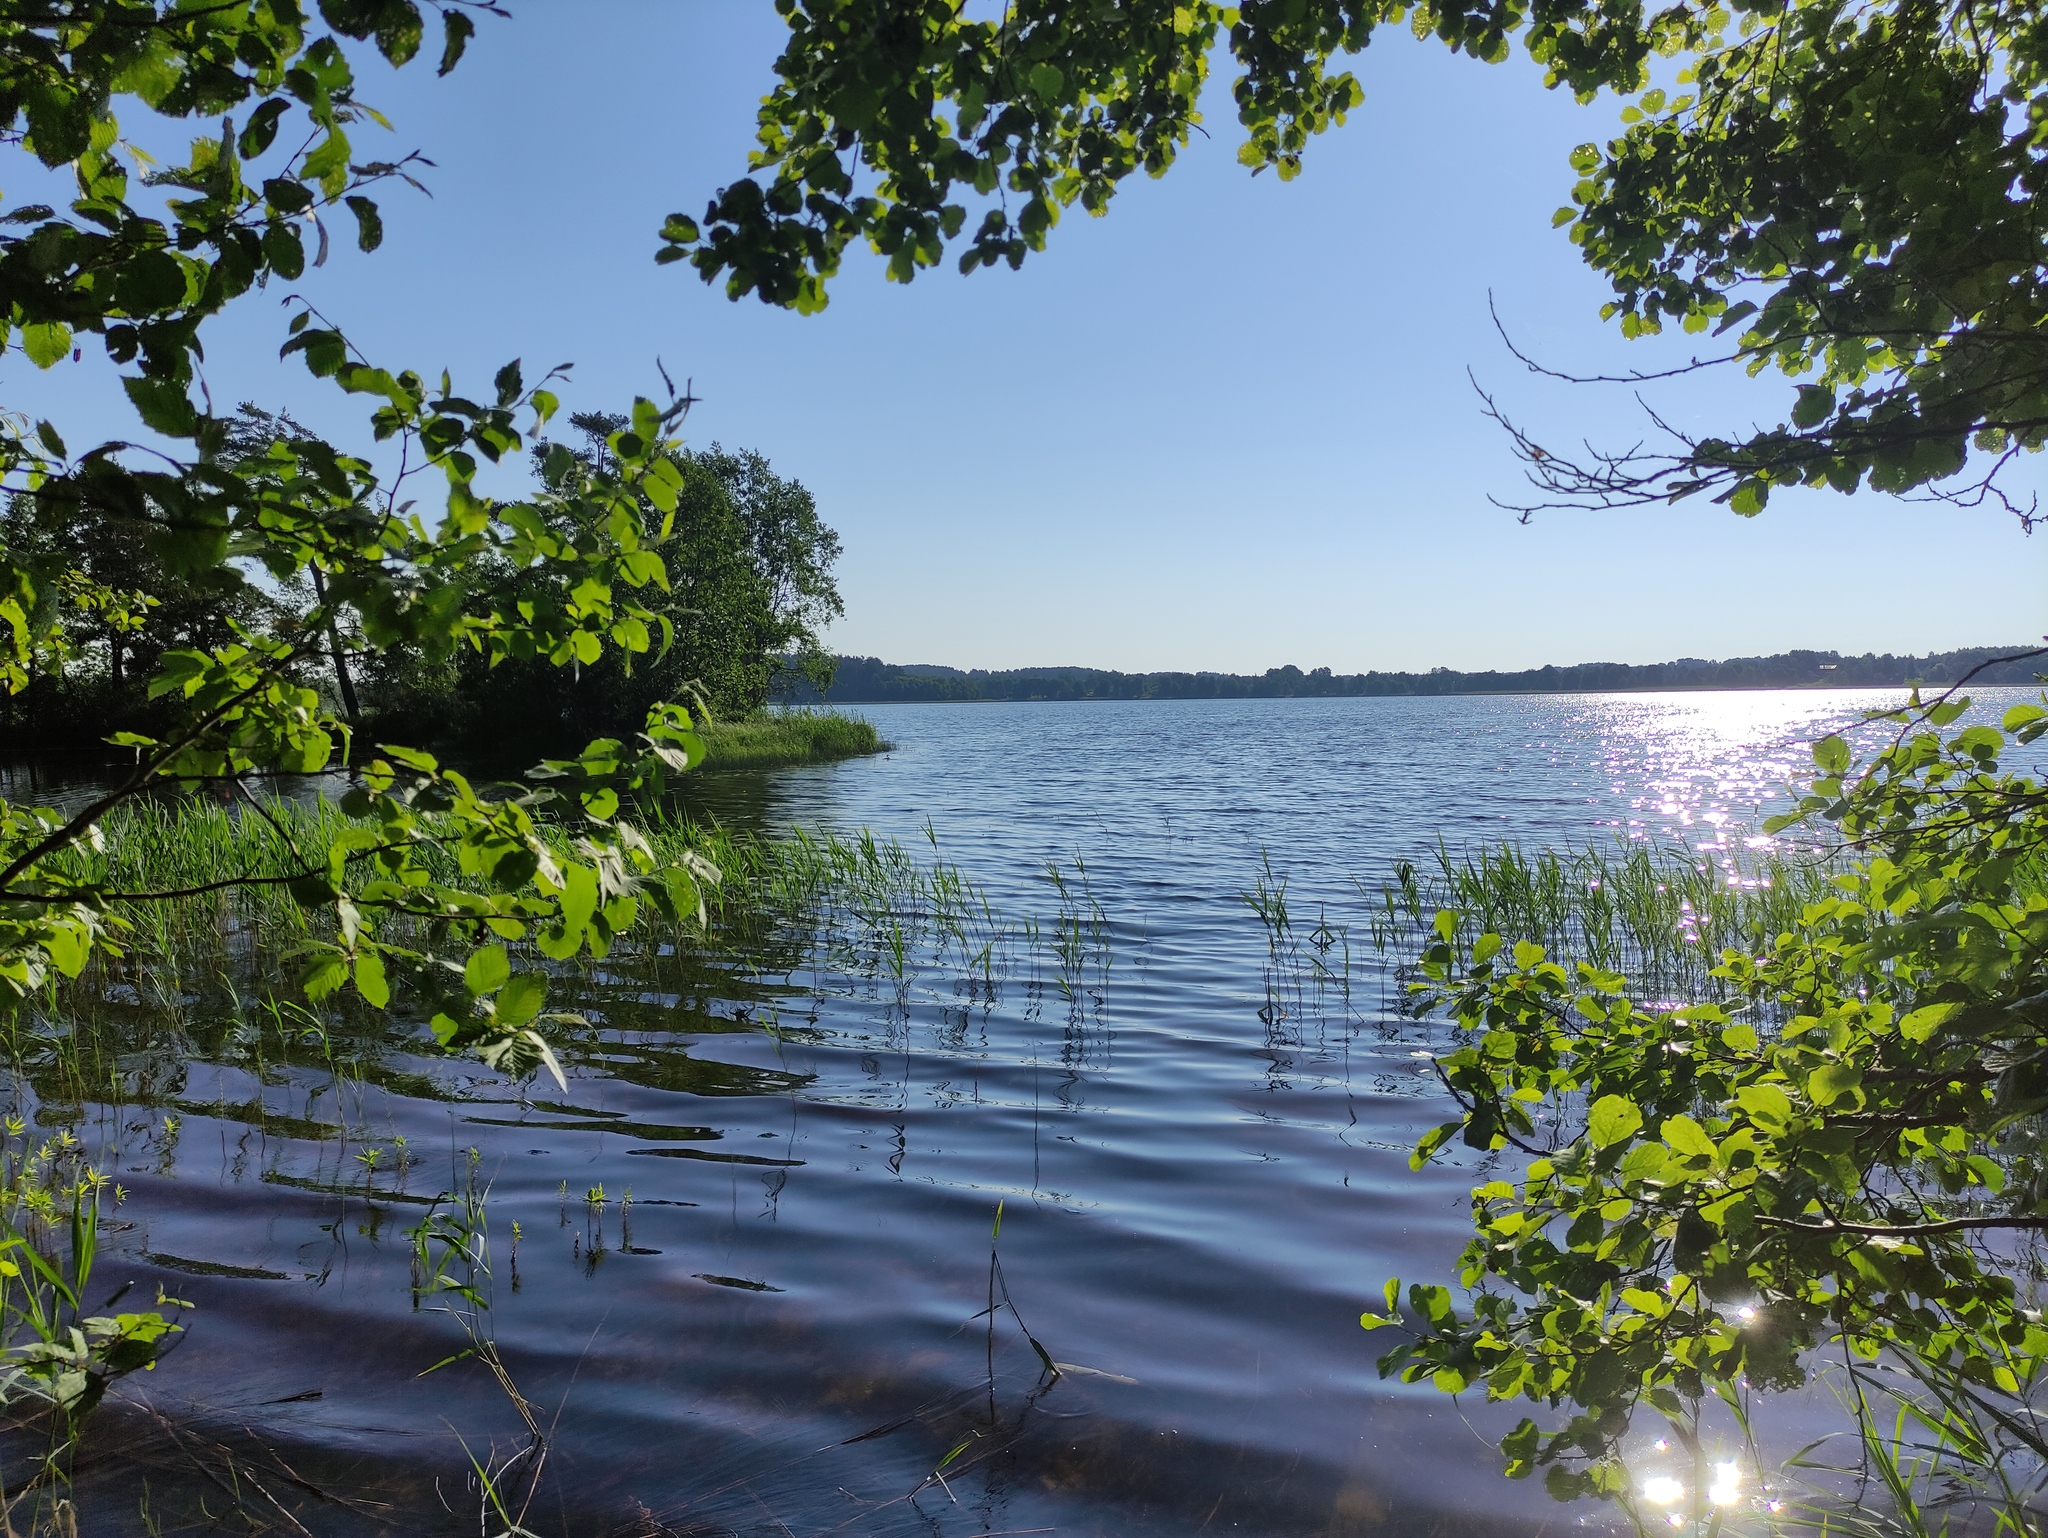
point(1229, 426)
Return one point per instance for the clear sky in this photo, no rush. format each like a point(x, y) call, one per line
point(1227, 427)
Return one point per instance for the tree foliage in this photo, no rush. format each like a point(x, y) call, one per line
point(753, 576)
point(561, 577)
point(1843, 1149)
point(1848, 189)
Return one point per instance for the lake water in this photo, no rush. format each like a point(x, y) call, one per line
point(1202, 1180)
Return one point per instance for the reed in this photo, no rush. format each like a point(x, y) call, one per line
point(851, 902)
point(1662, 913)
point(789, 737)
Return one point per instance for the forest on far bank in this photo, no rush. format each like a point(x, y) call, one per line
point(868, 680)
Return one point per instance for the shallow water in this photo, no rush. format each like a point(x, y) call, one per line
point(1202, 1167)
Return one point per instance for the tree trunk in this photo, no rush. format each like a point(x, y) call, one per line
point(341, 676)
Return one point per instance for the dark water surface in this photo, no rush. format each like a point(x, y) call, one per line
point(1203, 1181)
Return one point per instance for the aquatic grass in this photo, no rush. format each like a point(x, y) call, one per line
point(1664, 913)
point(852, 901)
point(1267, 898)
point(784, 737)
point(1080, 927)
point(849, 902)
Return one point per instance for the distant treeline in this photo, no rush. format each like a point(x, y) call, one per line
point(870, 680)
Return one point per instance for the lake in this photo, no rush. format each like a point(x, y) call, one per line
point(1202, 1164)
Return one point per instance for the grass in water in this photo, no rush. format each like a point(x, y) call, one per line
point(1662, 913)
point(850, 903)
point(789, 737)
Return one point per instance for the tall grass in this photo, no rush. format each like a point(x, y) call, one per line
point(789, 737)
point(1662, 913)
point(854, 903)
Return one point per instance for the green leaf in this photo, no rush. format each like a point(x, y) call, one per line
point(410, 758)
point(328, 158)
point(312, 891)
point(1827, 1084)
point(1735, 316)
point(1831, 755)
point(46, 344)
point(579, 899)
point(327, 973)
point(457, 30)
point(262, 127)
point(283, 250)
point(486, 969)
point(521, 999)
point(1921, 1023)
point(68, 946)
point(1688, 1137)
point(1518, 1447)
point(395, 24)
point(1611, 1120)
point(1815, 405)
point(1645, 1162)
point(1566, 1484)
point(369, 223)
point(162, 405)
point(150, 283)
point(1981, 742)
point(371, 982)
point(1769, 1106)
